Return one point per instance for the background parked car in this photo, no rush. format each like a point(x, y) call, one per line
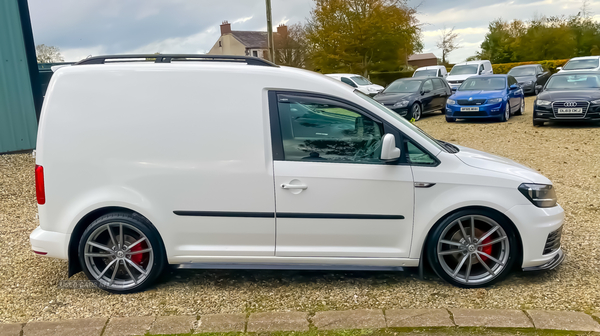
point(568, 96)
point(531, 77)
point(411, 97)
point(359, 82)
point(491, 96)
point(462, 71)
point(589, 63)
point(431, 71)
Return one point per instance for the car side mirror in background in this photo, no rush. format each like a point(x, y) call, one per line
point(513, 87)
point(389, 151)
point(559, 68)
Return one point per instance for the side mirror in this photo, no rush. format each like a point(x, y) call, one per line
point(559, 68)
point(389, 151)
point(425, 91)
point(513, 87)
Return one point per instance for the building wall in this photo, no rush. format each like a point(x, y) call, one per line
point(18, 121)
point(229, 46)
point(423, 62)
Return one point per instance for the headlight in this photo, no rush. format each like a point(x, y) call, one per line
point(541, 195)
point(540, 102)
point(529, 83)
point(494, 100)
point(451, 102)
point(595, 102)
point(401, 104)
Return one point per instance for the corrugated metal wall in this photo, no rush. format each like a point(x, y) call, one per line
point(18, 122)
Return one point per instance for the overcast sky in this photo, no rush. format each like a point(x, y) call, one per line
point(93, 27)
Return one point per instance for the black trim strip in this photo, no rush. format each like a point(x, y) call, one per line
point(283, 215)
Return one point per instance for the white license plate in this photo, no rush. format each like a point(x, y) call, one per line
point(570, 110)
point(469, 109)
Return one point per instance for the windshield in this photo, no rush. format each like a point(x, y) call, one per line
point(403, 86)
point(573, 82)
point(516, 72)
point(425, 73)
point(485, 84)
point(464, 69)
point(360, 80)
point(401, 119)
point(580, 64)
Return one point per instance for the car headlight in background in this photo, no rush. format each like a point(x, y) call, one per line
point(595, 102)
point(529, 82)
point(450, 101)
point(401, 104)
point(541, 195)
point(494, 100)
point(540, 102)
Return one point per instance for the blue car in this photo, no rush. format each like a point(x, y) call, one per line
point(488, 96)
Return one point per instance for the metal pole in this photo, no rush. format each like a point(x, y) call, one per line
point(270, 33)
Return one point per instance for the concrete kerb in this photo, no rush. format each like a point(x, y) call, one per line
point(303, 321)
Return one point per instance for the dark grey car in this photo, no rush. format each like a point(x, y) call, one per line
point(531, 77)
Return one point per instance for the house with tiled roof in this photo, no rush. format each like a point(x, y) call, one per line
point(243, 43)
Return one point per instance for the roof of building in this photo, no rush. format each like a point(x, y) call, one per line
point(417, 57)
point(251, 39)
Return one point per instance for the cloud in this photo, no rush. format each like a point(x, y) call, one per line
point(462, 31)
point(242, 20)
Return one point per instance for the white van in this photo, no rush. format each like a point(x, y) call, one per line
point(462, 71)
point(244, 164)
point(431, 71)
point(359, 82)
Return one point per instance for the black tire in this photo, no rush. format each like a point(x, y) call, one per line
point(415, 112)
point(521, 108)
point(506, 114)
point(448, 119)
point(479, 275)
point(538, 122)
point(131, 227)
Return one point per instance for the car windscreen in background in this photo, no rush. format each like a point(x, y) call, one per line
point(425, 73)
point(573, 82)
point(581, 64)
point(485, 84)
point(360, 80)
point(464, 70)
point(517, 72)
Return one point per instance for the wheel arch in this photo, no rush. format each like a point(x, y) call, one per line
point(423, 258)
point(72, 252)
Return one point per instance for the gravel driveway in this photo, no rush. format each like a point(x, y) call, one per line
point(568, 154)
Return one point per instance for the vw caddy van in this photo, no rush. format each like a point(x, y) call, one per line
point(200, 161)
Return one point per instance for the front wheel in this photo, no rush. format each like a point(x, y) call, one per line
point(506, 115)
point(449, 119)
point(472, 248)
point(538, 122)
point(521, 108)
point(122, 253)
point(415, 112)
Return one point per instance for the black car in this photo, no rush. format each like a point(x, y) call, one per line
point(531, 77)
point(569, 96)
point(411, 97)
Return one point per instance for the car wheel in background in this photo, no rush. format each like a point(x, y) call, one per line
point(472, 248)
point(415, 112)
point(536, 91)
point(506, 115)
point(521, 109)
point(448, 119)
point(122, 253)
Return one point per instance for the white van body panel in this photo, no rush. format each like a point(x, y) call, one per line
point(195, 136)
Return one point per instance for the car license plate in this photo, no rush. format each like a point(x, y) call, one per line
point(570, 110)
point(469, 109)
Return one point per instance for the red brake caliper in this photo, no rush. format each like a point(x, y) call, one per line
point(137, 258)
point(486, 249)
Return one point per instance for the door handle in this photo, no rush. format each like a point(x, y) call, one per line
point(294, 186)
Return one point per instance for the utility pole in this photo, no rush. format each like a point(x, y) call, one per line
point(270, 33)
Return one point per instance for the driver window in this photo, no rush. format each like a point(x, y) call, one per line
point(317, 129)
point(427, 86)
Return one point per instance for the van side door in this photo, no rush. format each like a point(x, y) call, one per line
point(334, 196)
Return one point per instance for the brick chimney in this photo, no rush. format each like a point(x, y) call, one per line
point(226, 28)
point(282, 30)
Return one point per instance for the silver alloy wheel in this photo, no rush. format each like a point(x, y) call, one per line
point(416, 111)
point(118, 261)
point(507, 111)
point(473, 249)
point(522, 105)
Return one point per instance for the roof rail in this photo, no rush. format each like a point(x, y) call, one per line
point(168, 58)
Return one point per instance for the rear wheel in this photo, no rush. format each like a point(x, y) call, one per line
point(472, 248)
point(122, 253)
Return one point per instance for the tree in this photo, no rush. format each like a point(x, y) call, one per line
point(48, 54)
point(448, 43)
point(361, 36)
point(290, 46)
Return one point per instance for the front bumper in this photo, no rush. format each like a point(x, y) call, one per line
point(485, 111)
point(535, 225)
point(545, 113)
point(53, 244)
point(552, 264)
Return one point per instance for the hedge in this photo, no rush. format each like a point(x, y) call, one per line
point(549, 65)
point(385, 78)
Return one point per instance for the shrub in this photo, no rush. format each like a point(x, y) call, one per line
point(385, 78)
point(504, 68)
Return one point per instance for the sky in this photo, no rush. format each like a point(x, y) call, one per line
point(95, 27)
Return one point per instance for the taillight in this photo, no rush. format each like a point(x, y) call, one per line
point(39, 184)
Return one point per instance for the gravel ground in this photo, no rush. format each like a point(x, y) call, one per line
point(568, 154)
